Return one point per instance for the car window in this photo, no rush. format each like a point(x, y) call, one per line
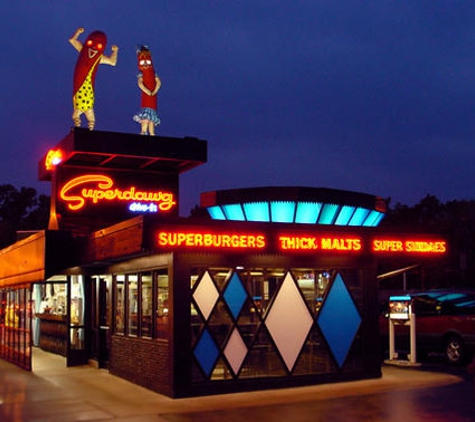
point(457, 304)
point(465, 307)
point(425, 305)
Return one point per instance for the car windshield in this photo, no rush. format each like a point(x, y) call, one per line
point(446, 303)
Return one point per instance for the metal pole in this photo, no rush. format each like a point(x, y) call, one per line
point(391, 340)
point(412, 321)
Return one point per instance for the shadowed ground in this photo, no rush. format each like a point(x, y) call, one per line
point(56, 393)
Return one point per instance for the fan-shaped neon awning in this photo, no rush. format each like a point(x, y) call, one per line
point(299, 205)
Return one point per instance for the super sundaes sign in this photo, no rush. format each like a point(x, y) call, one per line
point(87, 191)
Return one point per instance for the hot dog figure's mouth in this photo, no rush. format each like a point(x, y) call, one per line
point(92, 53)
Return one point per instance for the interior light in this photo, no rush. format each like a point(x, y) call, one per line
point(216, 213)
point(234, 212)
point(282, 212)
point(373, 219)
point(328, 213)
point(307, 212)
point(297, 212)
point(344, 216)
point(358, 217)
point(257, 211)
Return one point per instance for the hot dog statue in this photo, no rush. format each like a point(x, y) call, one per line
point(91, 54)
point(149, 83)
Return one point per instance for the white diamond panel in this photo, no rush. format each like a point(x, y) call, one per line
point(206, 295)
point(289, 321)
point(235, 350)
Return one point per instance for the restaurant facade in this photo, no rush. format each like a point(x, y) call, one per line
point(260, 288)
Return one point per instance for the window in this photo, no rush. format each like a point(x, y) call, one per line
point(138, 297)
point(313, 285)
point(15, 314)
point(147, 303)
point(162, 326)
point(262, 284)
point(76, 329)
point(133, 304)
point(233, 314)
point(119, 305)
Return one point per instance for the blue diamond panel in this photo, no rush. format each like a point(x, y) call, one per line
point(235, 295)
point(339, 320)
point(206, 352)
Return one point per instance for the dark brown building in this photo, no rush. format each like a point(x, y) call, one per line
point(264, 287)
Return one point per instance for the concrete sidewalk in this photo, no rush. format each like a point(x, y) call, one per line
point(54, 392)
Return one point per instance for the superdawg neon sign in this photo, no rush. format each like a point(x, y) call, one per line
point(93, 189)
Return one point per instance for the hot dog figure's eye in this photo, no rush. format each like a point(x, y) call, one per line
point(99, 46)
point(89, 43)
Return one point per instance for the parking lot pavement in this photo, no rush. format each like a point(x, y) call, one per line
point(56, 393)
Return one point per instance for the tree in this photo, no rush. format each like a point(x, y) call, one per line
point(21, 209)
point(455, 221)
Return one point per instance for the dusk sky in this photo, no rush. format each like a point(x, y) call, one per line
point(370, 96)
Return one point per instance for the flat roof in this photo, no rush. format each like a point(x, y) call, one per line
point(125, 151)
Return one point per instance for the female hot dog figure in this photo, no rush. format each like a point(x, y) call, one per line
point(91, 54)
point(149, 83)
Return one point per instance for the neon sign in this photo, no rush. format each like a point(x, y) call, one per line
point(196, 239)
point(211, 240)
point(96, 188)
point(139, 207)
point(53, 158)
point(409, 246)
point(323, 243)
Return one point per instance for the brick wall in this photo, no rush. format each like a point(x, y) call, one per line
point(144, 362)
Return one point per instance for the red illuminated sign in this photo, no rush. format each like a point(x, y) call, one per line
point(53, 158)
point(211, 240)
point(323, 243)
point(99, 188)
point(197, 239)
point(409, 246)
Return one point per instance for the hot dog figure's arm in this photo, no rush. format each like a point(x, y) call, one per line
point(74, 39)
point(147, 91)
point(112, 59)
point(142, 86)
point(158, 83)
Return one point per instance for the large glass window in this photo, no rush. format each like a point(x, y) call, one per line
point(162, 327)
point(313, 285)
point(133, 304)
point(147, 304)
point(15, 323)
point(264, 321)
point(76, 334)
point(119, 305)
point(138, 297)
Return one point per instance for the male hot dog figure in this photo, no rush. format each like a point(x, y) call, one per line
point(91, 54)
